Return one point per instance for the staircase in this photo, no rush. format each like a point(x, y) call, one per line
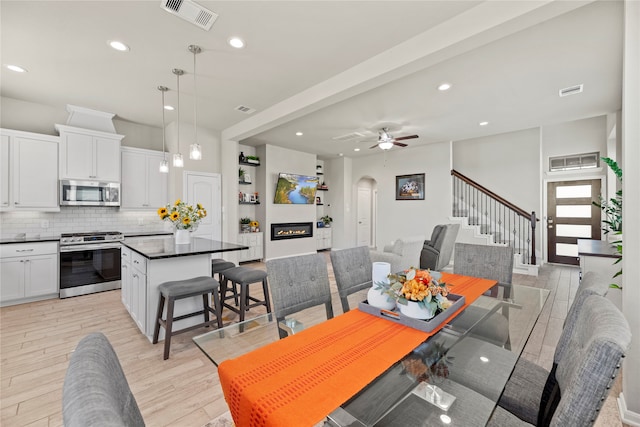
point(486, 218)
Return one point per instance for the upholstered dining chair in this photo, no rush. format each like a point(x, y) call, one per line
point(298, 283)
point(528, 374)
point(488, 262)
point(95, 390)
point(573, 392)
point(353, 271)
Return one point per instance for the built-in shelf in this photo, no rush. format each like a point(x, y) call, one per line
point(319, 204)
point(249, 203)
point(322, 189)
point(244, 183)
point(249, 164)
point(319, 173)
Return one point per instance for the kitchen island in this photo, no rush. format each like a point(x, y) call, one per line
point(149, 261)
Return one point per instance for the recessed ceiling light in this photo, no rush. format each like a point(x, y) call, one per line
point(17, 68)
point(118, 45)
point(340, 154)
point(483, 123)
point(299, 134)
point(356, 149)
point(484, 359)
point(236, 42)
point(444, 86)
point(169, 107)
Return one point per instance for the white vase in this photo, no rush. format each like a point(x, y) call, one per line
point(376, 299)
point(413, 309)
point(380, 272)
point(182, 237)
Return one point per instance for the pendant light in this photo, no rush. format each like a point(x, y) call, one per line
point(178, 162)
point(195, 151)
point(164, 164)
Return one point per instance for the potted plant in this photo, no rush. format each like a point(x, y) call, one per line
point(241, 173)
point(253, 159)
point(327, 220)
point(245, 225)
point(612, 210)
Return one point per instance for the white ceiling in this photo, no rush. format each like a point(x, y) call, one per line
point(325, 68)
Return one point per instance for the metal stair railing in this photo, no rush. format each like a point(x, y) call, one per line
point(495, 215)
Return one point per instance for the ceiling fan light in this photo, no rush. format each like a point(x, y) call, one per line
point(178, 161)
point(385, 145)
point(195, 152)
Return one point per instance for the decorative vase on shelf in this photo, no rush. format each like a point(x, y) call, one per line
point(379, 273)
point(182, 237)
point(415, 310)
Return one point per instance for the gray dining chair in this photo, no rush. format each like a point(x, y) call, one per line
point(95, 391)
point(353, 272)
point(573, 392)
point(298, 283)
point(488, 262)
point(529, 375)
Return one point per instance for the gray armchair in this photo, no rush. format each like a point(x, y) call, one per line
point(95, 390)
point(436, 252)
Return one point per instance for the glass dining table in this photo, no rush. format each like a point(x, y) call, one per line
point(455, 377)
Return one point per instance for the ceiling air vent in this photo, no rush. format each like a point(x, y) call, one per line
point(571, 90)
point(190, 11)
point(349, 136)
point(245, 109)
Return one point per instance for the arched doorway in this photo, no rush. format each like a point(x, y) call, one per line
point(366, 203)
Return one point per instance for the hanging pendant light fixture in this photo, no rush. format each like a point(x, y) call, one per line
point(195, 151)
point(178, 162)
point(164, 164)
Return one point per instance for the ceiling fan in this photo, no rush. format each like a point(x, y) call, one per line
point(386, 141)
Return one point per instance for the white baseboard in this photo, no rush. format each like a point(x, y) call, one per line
point(628, 417)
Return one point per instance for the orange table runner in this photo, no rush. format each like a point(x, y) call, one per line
point(297, 381)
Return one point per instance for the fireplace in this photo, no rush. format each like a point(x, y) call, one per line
point(291, 230)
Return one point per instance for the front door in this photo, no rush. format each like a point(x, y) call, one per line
point(571, 215)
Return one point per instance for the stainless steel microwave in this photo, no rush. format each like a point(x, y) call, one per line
point(89, 193)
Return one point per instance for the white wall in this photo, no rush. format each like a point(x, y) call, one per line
point(405, 218)
point(337, 175)
point(276, 160)
point(506, 164)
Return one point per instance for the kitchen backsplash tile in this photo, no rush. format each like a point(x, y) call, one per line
point(79, 219)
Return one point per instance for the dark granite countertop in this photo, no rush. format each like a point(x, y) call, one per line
point(601, 248)
point(32, 239)
point(146, 233)
point(157, 248)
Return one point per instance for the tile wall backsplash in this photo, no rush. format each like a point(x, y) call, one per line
point(79, 219)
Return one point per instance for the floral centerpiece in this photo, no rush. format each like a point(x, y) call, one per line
point(183, 217)
point(418, 293)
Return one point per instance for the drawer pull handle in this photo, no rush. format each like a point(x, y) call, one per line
point(24, 250)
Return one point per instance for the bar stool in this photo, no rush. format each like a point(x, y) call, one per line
point(245, 276)
point(180, 289)
point(218, 266)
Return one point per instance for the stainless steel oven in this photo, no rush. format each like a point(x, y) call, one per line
point(89, 262)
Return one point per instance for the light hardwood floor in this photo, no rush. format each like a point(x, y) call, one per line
point(36, 340)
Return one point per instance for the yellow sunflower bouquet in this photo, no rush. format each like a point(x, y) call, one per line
point(182, 216)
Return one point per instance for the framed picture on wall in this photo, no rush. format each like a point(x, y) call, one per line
point(410, 187)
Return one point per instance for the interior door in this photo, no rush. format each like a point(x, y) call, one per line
point(364, 216)
point(571, 215)
point(204, 188)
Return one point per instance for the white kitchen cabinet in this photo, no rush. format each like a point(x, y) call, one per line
point(142, 186)
point(254, 241)
point(29, 171)
point(323, 238)
point(28, 272)
point(89, 154)
point(134, 286)
point(125, 277)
